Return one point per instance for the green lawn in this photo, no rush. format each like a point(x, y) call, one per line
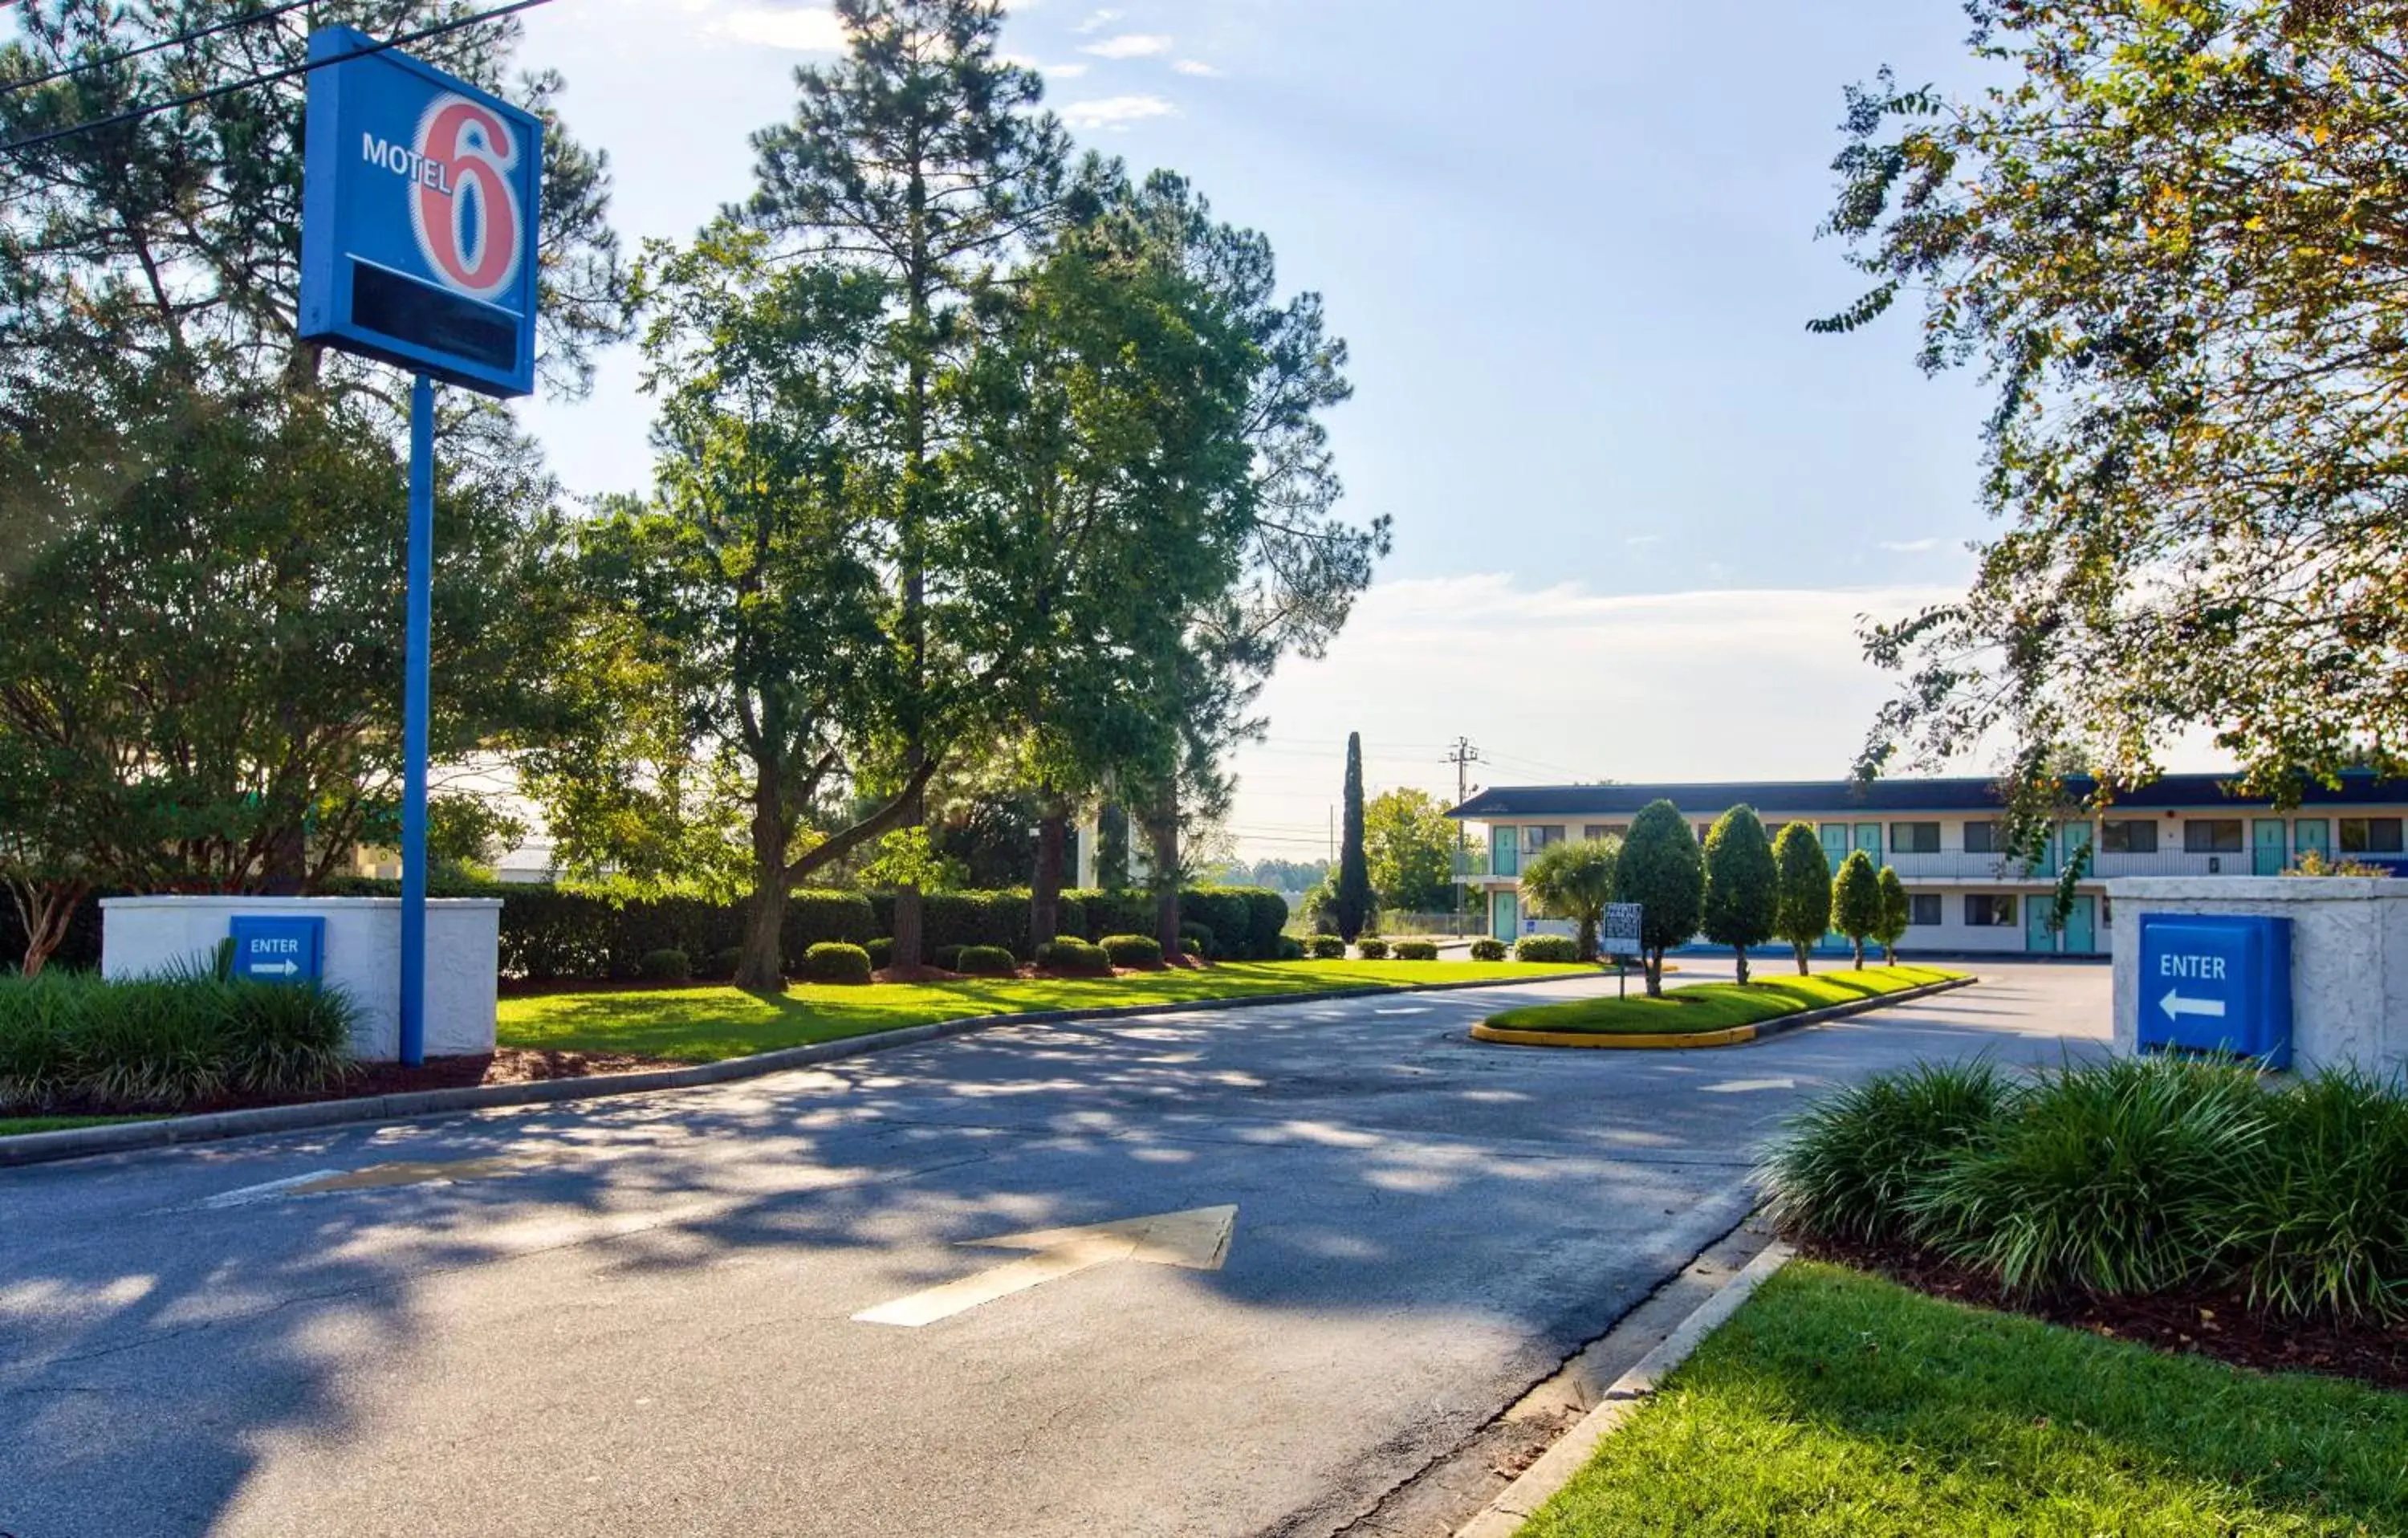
point(1717, 1006)
point(703, 1024)
point(1839, 1405)
point(17, 1125)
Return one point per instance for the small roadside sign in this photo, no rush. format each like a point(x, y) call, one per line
point(1619, 934)
point(279, 949)
point(2216, 982)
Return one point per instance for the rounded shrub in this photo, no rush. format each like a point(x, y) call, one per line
point(1132, 950)
point(1198, 940)
point(2117, 1178)
point(946, 958)
point(666, 965)
point(723, 963)
point(1414, 950)
point(1074, 958)
point(881, 951)
point(1372, 948)
point(1487, 949)
point(1326, 948)
point(1545, 948)
point(1848, 1165)
point(1290, 948)
point(987, 962)
point(834, 962)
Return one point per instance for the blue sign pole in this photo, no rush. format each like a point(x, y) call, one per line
point(414, 704)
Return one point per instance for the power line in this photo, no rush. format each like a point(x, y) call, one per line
point(12, 87)
point(34, 141)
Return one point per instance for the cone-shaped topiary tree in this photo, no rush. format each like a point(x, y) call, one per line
point(1743, 883)
point(1856, 901)
point(1660, 869)
point(1354, 904)
point(1896, 914)
point(1804, 914)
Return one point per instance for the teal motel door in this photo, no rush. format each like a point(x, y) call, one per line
point(2082, 928)
point(1505, 851)
point(2037, 936)
point(2313, 836)
point(1868, 840)
point(1505, 915)
point(2267, 854)
point(1835, 844)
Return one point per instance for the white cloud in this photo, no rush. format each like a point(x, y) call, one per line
point(1643, 539)
point(1725, 685)
point(1099, 21)
point(1058, 72)
point(1116, 111)
point(1910, 546)
point(1196, 66)
point(806, 29)
point(1130, 45)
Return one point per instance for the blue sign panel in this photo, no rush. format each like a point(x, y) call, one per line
point(418, 218)
point(279, 949)
point(2216, 982)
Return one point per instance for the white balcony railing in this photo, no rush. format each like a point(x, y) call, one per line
point(2104, 864)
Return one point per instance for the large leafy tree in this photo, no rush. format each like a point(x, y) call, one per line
point(1661, 869)
point(2171, 236)
point(922, 157)
point(1410, 848)
point(1574, 880)
point(1743, 883)
point(749, 579)
point(1804, 915)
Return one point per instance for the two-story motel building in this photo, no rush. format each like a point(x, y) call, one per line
point(1944, 838)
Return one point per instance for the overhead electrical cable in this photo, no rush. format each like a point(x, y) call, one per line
point(12, 87)
point(32, 141)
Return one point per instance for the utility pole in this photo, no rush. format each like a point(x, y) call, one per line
point(1462, 756)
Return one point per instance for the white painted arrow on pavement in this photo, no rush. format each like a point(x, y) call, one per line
point(1197, 1239)
point(2177, 1006)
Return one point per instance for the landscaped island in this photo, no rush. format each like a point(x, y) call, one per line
point(1706, 1009)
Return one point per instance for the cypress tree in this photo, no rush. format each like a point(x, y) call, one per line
point(1805, 911)
point(1856, 901)
point(1743, 883)
point(1354, 872)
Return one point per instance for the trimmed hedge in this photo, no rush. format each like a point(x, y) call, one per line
point(1414, 950)
point(987, 962)
point(1327, 948)
point(1372, 948)
point(1132, 950)
point(833, 961)
point(1545, 948)
point(1487, 949)
point(1075, 957)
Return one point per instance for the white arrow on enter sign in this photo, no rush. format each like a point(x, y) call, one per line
point(2177, 1006)
point(281, 969)
point(1197, 1239)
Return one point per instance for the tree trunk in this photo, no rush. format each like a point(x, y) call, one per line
point(1654, 960)
point(1045, 883)
point(1588, 939)
point(1859, 942)
point(1743, 963)
point(1800, 948)
point(763, 965)
point(1162, 830)
point(48, 910)
point(906, 956)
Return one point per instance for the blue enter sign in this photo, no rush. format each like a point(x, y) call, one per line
point(279, 949)
point(2216, 982)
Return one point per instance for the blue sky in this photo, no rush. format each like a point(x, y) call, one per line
point(1639, 510)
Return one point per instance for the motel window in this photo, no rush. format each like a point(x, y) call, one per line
point(1981, 838)
point(1923, 909)
point(2369, 836)
point(2128, 836)
point(1914, 838)
point(1989, 910)
point(1541, 837)
point(2212, 836)
point(1591, 832)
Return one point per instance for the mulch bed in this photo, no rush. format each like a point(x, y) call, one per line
point(2221, 1324)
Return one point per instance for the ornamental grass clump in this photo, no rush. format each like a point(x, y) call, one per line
point(2116, 1178)
point(1851, 1162)
point(75, 1040)
point(2321, 1228)
point(287, 1041)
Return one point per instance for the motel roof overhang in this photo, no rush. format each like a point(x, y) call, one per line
point(1966, 794)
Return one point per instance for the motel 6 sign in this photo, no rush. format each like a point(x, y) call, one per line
point(2216, 982)
point(418, 218)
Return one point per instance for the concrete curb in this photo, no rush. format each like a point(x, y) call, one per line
point(1503, 1517)
point(85, 1142)
point(1730, 1035)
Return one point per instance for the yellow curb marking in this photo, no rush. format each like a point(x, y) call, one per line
point(1197, 1239)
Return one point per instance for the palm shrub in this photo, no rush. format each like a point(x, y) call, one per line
point(1848, 1165)
point(2322, 1225)
point(2116, 1178)
point(1545, 948)
point(1856, 901)
point(1804, 915)
point(1573, 881)
point(1487, 948)
point(1743, 883)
